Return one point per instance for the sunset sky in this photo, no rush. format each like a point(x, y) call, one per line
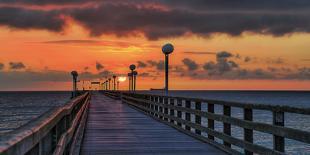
point(219, 44)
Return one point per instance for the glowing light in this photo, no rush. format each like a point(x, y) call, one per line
point(122, 79)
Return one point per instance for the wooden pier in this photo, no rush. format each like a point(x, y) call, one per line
point(114, 122)
point(116, 128)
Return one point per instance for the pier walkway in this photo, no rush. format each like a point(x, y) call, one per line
point(116, 128)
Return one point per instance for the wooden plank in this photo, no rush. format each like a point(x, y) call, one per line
point(115, 128)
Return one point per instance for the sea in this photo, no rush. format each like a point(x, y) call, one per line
point(19, 108)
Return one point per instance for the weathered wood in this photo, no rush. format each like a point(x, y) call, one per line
point(115, 128)
point(179, 112)
point(210, 121)
point(248, 133)
point(187, 114)
point(166, 100)
point(171, 102)
point(198, 117)
point(48, 127)
point(279, 131)
point(299, 135)
point(257, 106)
point(278, 141)
point(227, 126)
point(249, 146)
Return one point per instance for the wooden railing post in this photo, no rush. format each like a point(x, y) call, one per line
point(227, 126)
point(179, 113)
point(248, 133)
point(156, 106)
point(166, 109)
point(187, 115)
point(197, 117)
point(211, 121)
point(160, 107)
point(151, 105)
point(278, 141)
point(171, 102)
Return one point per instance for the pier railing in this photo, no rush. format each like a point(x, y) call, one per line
point(57, 132)
point(186, 114)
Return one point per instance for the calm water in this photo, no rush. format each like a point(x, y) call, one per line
point(18, 108)
point(289, 98)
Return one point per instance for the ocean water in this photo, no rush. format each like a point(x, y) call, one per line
point(18, 108)
point(299, 99)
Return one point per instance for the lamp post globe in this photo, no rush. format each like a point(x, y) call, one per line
point(167, 49)
point(132, 67)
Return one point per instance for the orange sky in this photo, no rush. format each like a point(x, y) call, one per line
point(42, 50)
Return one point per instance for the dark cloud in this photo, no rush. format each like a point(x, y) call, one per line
point(222, 64)
point(31, 19)
point(200, 53)
point(160, 65)
point(190, 64)
point(99, 66)
point(276, 61)
point(1, 66)
point(202, 17)
point(247, 59)
point(17, 65)
point(141, 64)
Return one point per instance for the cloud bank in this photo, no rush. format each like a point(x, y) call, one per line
point(162, 18)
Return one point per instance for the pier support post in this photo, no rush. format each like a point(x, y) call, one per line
point(188, 115)
point(166, 109)
point(278, 141)
point(227, 126)
point(179, 113)
point(171, 102)
point(197, 117)
point(211, 121)
point(248, 133)
point(160, 100)
point(156, 106)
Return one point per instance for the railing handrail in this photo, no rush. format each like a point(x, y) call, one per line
point(257, 106)
point(163, 108)
point(37, 128)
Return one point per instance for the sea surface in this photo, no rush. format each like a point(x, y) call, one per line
point(300, 99)
point(19, 108)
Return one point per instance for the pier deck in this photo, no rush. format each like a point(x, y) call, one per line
point(116, 128)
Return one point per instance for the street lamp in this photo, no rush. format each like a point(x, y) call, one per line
point(167, 49)
point(135, 73)
point(132, 68)
point(109, 83)
point(114, 82)
point(74, 76)
point(129, 79)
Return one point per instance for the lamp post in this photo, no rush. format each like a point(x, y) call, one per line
point(132, 68)
point(109, 84)
point(129, 79)
point(167, 49)
point(114, 82)
point(74, 76)
point(135, 73)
